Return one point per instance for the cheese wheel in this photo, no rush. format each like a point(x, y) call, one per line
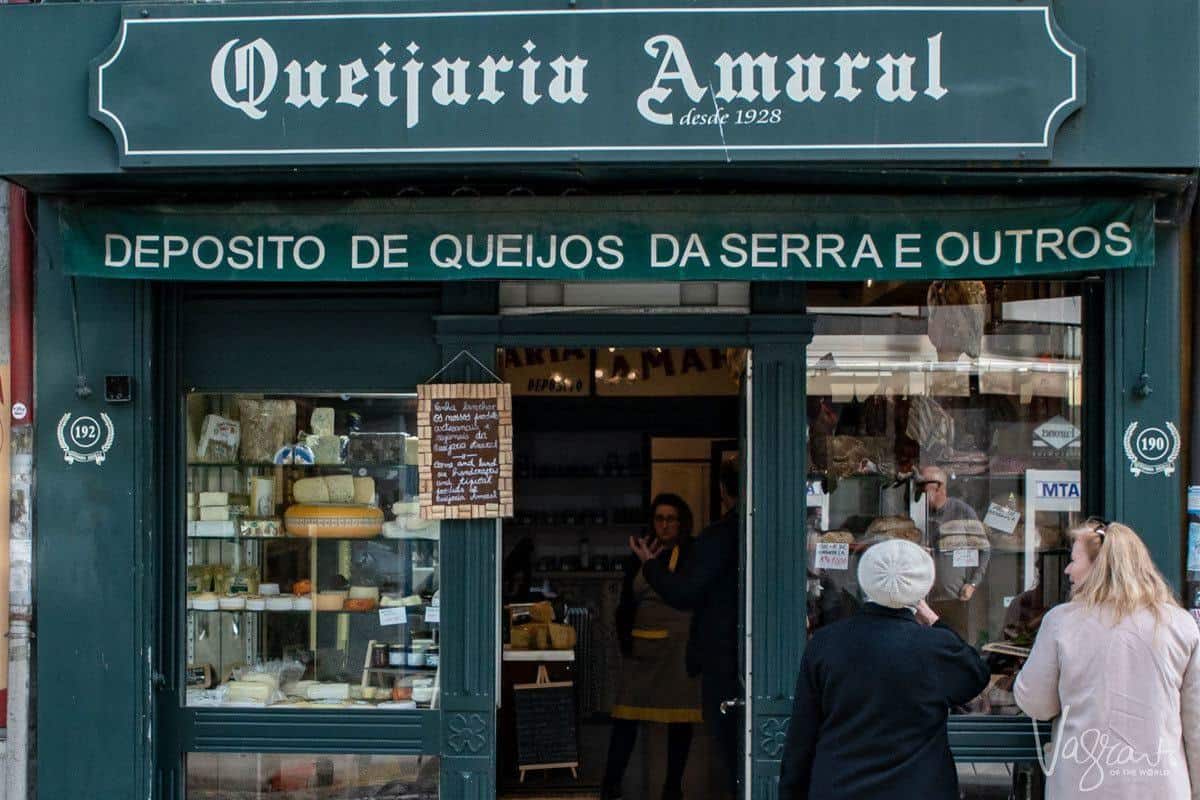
point(333, 521)
point(341, 488)
point(311, 490)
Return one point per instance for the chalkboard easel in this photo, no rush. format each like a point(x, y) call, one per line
point(546, 734)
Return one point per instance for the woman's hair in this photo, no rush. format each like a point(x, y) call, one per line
point(681, 508)
point(1123, 577)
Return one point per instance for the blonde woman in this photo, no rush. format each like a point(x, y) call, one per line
point(1119, 667)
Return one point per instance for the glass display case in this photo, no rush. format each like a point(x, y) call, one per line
point(311, 579)
point(950, 414)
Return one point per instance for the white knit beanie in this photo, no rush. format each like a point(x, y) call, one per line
point(896, 574)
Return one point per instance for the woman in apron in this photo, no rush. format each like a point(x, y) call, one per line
point(654, 685)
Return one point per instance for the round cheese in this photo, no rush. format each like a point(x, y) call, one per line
point(333, 521)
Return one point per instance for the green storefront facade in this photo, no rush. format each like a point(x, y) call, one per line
point(220, 189)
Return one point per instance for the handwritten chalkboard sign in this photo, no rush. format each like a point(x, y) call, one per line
point(547, 737)
point(465, 450)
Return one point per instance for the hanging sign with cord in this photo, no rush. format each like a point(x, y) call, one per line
point(465, 448)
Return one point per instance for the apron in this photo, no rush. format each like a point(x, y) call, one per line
point(654, 685)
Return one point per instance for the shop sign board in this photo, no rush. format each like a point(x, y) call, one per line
point(464, 454)
point(311, 83)
point(610, 239)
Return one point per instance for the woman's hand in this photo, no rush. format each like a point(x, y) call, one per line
point(644, 549)
point(925, 614)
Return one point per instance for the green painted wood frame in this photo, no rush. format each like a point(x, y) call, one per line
point(100, 523)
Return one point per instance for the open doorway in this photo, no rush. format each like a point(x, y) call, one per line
point(599, 691)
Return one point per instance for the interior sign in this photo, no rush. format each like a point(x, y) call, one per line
point(84, 439)
point(1056, 434)
point(1152, 450)
point(312, 83)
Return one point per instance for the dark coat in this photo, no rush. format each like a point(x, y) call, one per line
point(707, 585)
point(872, 702)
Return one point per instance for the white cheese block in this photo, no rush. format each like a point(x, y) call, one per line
point(247, 692)
point(267, 589)
point(297, 688)
point(364, 592)
point(214, 499)
point(303, 603)
point(364, 491)
point(268, 678)
point(341, 488)
point(256, 602)
point(192, 499)
point(310, 490)
point(193, 513)
point(322, 421)
point(280, 602)
point(328, 691)
point(262, 497)
point(212, 529)
point(411, 444)
point(233, 602)
point(214, 513)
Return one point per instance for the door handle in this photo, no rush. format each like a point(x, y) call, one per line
point(733, 702)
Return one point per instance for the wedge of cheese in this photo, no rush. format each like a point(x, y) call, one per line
point(213, 499)
point(322, 421)
point(364, 490)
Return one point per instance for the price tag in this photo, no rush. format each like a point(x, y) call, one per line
point(833, 555)
point(393, 616)
point(966, 558)
point(1001, 518)
point(433, 613)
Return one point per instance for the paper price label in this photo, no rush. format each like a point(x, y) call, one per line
point(393, 616)
point(833, 555)
point(1001, 518)
point(966, 558)
point(433, 613)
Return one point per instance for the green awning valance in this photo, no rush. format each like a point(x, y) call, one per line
point(612, 239)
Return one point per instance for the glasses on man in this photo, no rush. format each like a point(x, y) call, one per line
point(665, 520)
point(1098, 526)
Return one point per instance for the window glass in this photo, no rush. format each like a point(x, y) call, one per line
point(950, 414)
point(311, 580)
point(273, 776)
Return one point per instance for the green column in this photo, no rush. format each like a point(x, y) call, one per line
point(469, 620)
point(1141, 331)
point(778, 550)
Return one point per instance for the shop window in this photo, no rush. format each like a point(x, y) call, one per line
point(272, 776)
point(999, 781)
point(311, 579)
point(949, 414)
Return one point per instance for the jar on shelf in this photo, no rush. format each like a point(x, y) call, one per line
point(397, 656)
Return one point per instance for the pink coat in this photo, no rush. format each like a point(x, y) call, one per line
point(1126, 704)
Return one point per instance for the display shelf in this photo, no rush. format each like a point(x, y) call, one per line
point(393, 670)
point(632, 526)
point(289, 538)
point(374, 612)
point(629, 476)
point(269, 464)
